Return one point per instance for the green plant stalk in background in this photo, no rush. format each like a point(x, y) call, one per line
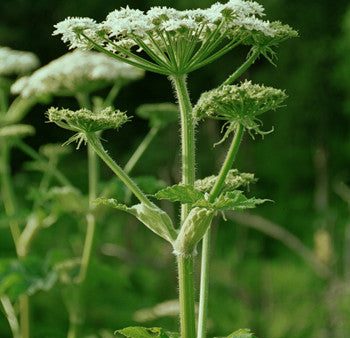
point(204, 278)
point(227, 165)
point(9, 201)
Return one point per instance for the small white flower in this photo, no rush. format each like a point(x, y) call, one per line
point(74, 72)
point(70, 29)
point(199, 36)
point(254, 24)
point(14, 62)
point(125, 21)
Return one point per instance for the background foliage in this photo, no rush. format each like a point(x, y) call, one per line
point(256, 281)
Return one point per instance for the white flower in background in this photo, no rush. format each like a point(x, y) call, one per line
point(78, 71)
point(176, 42)
point(14, 62)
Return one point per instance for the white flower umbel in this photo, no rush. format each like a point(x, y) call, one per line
point(175, 42)
point(14, 62)
point(78, 71)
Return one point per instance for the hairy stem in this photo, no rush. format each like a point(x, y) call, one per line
point(186, 296)
point(243, 68)
point(140, 150)
point(95, 143)
point(185, 264)
point(187, 135)
point(10, 314)
point(204, 279)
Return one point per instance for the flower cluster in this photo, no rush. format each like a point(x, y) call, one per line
point(159, 115)
point(78, 71)
point(239, 104)
point(233, 180)
point(14, 62)
point(176, 42)
point(86, 121)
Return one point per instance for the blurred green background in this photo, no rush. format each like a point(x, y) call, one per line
point(303, 166)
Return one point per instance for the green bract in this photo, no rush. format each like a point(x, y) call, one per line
point(86, 121)
point(239, 104)
point(159, 115)
point(176, 42)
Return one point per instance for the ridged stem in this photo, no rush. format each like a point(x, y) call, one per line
point(185, 263)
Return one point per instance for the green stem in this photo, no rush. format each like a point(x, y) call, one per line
point(112, 94)
point(204, 279)
point(35, 156)
point(10, 314)
point(243, 68)
point(90, 218)
point(24, 316)
point(187, 136)
point(186, 297)
point(141, 149)
point(185, 263)
point(83, 100)
point(7, 191)
point(3, 102)
point(95, 143)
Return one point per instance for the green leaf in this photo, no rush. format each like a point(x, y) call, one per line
point(143, 332)
point(180, 193)
point(113, 203)
point(242, 333)
point(27, 276)
point(236, 200)
point(151, 216)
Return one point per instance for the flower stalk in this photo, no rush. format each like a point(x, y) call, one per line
point(204, 277)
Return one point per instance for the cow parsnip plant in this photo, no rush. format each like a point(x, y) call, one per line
point(78, 74)
point(175, 43)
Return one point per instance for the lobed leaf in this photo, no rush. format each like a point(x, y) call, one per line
point(236, 200)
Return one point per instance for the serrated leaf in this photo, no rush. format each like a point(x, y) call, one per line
point(142, 332)
point(180, 193)
point(236, 200)
point(25, 277)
